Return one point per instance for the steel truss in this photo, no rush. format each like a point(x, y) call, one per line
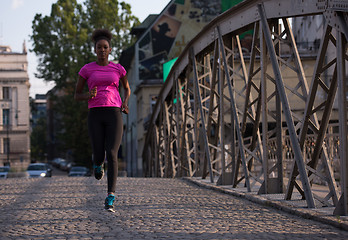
point(232, 115)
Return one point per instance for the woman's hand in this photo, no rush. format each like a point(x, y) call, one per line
point(93, 93)
point(127, 92)
point(124, 108)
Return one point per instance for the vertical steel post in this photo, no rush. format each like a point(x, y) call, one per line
point(155, 151)
point(235, 114)
point(311, 117)
point(184, 147)
point(342, 208)
point(178, 113)
point(221, 84)
point(264, 109)
point(200, 108)
point(279, 127)
point(292, 132)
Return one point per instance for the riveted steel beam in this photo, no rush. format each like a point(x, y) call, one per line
point(289, 120)
point(199, 109)
point(342, 59)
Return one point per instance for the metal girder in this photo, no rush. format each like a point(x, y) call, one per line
point(214, 118)
point(214, 113)
point(162, 145)
point(199, 110)
point(310, 120)
point(342, 59)
point(234, 112)
point(188, 138)
point(287, 111)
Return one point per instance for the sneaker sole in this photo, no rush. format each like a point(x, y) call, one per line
point(98, 177)
point(110, 210)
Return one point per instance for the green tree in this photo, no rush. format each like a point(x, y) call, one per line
point(37, 140)
point(115, 16)
point(62, 42)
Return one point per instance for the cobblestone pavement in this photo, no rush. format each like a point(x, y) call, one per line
point(146, 208)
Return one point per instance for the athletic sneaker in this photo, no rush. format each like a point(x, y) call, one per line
point(98, 172)
point(109, 203)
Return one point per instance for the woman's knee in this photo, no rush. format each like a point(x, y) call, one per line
point(111, 155)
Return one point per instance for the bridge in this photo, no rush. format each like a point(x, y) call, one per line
point(254, 117)
point(62, 207)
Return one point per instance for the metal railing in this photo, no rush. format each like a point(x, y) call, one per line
point(242, 119)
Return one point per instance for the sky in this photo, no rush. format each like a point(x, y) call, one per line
point(16, 18)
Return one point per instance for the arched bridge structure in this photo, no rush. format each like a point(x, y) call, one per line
point(254, 112)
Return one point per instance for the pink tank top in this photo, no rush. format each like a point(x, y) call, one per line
point(106, 79)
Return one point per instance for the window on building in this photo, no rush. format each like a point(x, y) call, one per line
point(6, 146)
point(6, 93)
point(5, 117)
point(153, 100)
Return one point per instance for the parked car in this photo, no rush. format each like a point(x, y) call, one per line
point(3, 171)
point(65, 166)
point(78, 171)
point(39, 170)
point(56, 161)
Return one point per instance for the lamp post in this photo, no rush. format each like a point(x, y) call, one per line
point(8, 140)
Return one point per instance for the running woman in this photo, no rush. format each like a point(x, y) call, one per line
point(105, 105)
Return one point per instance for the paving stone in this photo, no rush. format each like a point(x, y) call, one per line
point(146, 208)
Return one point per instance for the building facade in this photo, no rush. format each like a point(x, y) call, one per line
point(161, 38)
point(40, 111)
point(308, 33)
point(14, 109)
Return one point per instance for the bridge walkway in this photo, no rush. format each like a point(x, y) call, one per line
point(146, 208)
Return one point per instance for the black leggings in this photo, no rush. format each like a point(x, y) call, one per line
point(105, 127)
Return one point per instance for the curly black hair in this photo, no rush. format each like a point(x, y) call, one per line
point(99, 34)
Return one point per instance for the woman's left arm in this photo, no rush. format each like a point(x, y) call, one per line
point(127, 93)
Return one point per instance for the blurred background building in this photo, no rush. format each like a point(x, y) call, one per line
point(39, 105)
point(161, 39)
point(14, 108)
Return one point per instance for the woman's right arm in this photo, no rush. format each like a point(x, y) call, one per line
point(79, 94)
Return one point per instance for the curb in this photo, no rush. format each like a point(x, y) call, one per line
point(282, 206)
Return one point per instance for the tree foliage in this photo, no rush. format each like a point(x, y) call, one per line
point(39, 131)
point(38, 146)
point(62, 42)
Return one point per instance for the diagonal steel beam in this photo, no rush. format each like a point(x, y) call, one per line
point(286, 109)
point(235, 114)
point(199, 99)
point(310, 116)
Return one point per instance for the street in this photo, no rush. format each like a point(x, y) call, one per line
point(146, 208)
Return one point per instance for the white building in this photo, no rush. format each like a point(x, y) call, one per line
point(14, 109)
